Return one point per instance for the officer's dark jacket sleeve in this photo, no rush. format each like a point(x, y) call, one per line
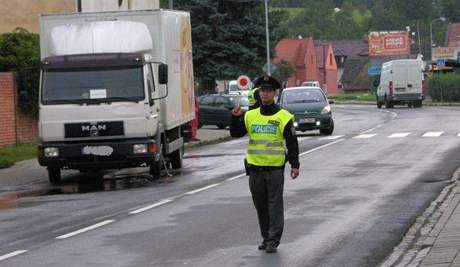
point(292, 145)
point(237, 127)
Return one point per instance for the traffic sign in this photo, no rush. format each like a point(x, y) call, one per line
point(374, 70)
point(243, 82)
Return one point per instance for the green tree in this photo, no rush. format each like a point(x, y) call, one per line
point(20, 53)
point(283, 71)
point(228, 38)
point(451, 10)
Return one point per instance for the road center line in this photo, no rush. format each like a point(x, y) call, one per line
point(151, 206)
point(86, 229)
point(201, 189)
point(235, 177)
point(12, 254)
point(320, 147)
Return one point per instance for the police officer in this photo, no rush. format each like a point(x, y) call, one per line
point(268, 126)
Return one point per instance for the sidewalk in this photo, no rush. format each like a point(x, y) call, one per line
point(444, 239)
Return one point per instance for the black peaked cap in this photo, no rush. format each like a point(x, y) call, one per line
point(267, 82)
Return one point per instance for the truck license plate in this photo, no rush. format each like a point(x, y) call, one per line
point(97, 150)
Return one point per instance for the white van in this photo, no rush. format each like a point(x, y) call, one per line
point(401, 82)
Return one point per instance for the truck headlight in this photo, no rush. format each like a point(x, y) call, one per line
point(51, 152)
point(326, 109)
point(140, 149)
point(296, 124)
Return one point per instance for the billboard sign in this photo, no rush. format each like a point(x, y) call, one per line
point(388, 43)
point(438, 53)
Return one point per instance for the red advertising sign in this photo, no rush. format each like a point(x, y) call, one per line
point(388, 43)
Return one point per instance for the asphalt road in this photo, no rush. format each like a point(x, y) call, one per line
point(358, 192)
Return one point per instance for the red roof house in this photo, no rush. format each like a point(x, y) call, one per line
point(453, 35)
point(327, 67)
point(301, 54)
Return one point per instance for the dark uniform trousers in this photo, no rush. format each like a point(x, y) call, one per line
point(267, 194)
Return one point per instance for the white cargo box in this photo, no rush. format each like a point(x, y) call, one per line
point(162, 35)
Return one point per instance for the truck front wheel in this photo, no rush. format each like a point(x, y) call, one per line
point(155, 169)
point(54, 175)
point(176, 158)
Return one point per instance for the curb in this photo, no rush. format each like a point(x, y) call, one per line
point(208, 142)
point(421, 236)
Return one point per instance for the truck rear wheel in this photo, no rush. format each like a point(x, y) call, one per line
point(54, 175)
point(176, 158)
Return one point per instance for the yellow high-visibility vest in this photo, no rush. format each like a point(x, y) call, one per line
point(266, 141)
point(251, 97)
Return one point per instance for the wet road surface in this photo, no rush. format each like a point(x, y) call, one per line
point(358, 192)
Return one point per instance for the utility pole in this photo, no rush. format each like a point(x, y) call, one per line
point(171, 4)
point(418, 36)
point(269, 73)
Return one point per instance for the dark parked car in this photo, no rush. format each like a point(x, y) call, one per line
point(216, 110)
point(310, 107)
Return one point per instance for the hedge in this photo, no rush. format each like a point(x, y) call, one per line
point(444, 87)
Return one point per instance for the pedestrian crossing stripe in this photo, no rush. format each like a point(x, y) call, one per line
point(432, 134)
point(364, 136)
point(399, 135)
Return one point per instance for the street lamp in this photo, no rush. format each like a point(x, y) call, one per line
point(267, 37)
point(431, 32)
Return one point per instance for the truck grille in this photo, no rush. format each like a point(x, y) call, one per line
point(94, 129)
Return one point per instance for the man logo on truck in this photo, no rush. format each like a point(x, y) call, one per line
point(94, 129)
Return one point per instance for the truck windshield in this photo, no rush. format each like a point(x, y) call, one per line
point(92, 85)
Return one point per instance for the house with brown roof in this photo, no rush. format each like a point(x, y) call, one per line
point(303, 56)
point(453, 34)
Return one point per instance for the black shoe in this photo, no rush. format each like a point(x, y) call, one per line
point(271, 248)
point(262, 246)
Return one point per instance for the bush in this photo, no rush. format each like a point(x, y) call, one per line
point(5, 163)
point(444, 87)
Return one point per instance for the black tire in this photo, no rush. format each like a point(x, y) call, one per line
point(155, 169)
point(418, 104)
point(328, 131)
point(176, 158)
point(379, 104)
point(54, 175)
point(221, 126)
point(388, 104)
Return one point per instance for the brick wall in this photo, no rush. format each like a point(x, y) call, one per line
point(15, 127)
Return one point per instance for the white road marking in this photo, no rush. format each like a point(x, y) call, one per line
point(398, 135)
point(364, 136)
point(321, 147)
point(432, 134)
point(151, 206)
point(86, 229)
point(332, 137)
point(458, 134)
point(235, 177)
point(201, 189)
point(12, 254)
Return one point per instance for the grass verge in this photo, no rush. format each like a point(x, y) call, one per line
point(359, 97)
point(11, 154)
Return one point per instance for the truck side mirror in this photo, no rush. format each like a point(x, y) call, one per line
point(163, 74)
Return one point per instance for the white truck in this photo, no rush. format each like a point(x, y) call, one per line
point(116, 90)
point(401, 82)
